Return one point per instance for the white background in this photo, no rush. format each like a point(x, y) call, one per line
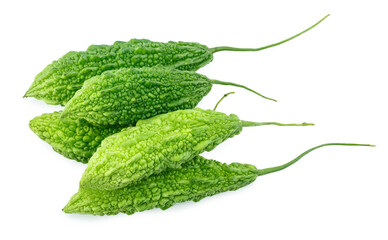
point(334, 76)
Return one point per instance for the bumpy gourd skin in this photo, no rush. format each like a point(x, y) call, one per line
point(127, 95)
point(164, 141)
point(59, 81)
point(76, 140)
point(196, 179)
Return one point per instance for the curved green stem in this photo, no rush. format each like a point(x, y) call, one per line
point(254, 124)
point(213, 81)
point(281, 167)
point(225, 95)
point(225, 48)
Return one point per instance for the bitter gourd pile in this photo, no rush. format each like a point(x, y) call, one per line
point(133, 121)
point(60, 80)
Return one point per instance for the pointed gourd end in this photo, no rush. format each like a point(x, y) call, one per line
point(75, 203)
point(71, 207)
point(66, 209)
point(30, 92)
point(27, 94)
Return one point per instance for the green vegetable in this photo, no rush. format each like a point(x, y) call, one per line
point(76, 140)
point(127, 95)
point(164, 141)
point(59, 81)
point(195, 180)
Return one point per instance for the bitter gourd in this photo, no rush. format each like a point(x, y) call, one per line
point(164, 141)
point(76, 140)
point(59, 81)
point(124, 96)
point(195, 180)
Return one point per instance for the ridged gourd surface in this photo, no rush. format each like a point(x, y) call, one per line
point(164, 141)
point(128, 95)
point(194, 181)
point(76, 140)
point(59, 81)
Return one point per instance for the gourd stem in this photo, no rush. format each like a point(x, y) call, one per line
point(225, 48)
point(213, 81)
point(253, 124)
point(225, 95)
point(281, 167)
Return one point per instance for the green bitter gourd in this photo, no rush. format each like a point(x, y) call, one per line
point(127, 95)
point(195, 180)
point(59, 81)
point(164, 141)
point(76, 140)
